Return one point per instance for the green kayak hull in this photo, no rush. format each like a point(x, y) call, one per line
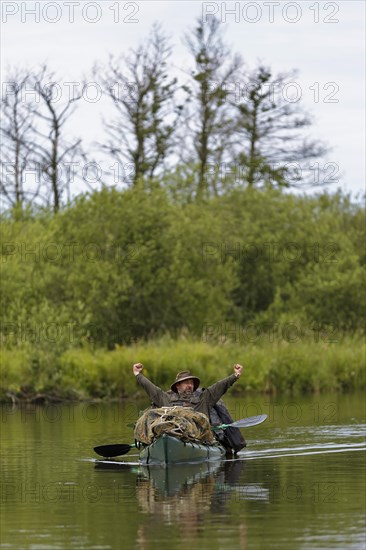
point(167, 449)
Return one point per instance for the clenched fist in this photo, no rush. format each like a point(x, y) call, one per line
point(238, 370)
point(137, 368)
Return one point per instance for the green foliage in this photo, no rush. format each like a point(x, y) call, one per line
point(122, 268)
point(280, 367)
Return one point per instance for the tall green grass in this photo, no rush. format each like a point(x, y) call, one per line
point(279, 367)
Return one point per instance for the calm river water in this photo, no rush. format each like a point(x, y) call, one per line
point(300, 483)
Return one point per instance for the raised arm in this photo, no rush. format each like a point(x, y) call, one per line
point(217, 390)
point(156, 394)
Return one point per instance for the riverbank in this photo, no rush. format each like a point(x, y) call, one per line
point(38, 375)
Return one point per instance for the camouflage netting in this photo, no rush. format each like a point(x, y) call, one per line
point(181, 422)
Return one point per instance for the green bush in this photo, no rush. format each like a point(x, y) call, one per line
point(121, 276)
point(280, 367)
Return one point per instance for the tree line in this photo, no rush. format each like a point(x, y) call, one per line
point(117, 267)
point(201, 131)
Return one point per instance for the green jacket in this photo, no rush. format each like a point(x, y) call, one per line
point(200, 401)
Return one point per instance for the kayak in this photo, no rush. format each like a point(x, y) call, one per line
point(168, 449)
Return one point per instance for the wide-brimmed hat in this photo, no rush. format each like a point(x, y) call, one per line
point(185, 375)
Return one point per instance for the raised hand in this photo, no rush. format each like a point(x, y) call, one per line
point(137, 368)
point(238, 370)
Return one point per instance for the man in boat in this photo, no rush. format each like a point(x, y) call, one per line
point(184, 390)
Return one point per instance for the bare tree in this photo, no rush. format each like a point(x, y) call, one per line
point(141, 136)
point(270, 129)
point(210, 120)
point(55, 154)
point(16, 145)
point(33, 139)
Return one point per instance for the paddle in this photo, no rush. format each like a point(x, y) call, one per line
point(243, 423)
point(119, 449)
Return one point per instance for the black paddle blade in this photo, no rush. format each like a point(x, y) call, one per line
point(113, 450)
point(250, 421)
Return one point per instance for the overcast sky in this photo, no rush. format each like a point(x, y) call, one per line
point(323, 40)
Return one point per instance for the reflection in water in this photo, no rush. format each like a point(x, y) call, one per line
point(185, 495)
point(179, 496)
point(176, 480)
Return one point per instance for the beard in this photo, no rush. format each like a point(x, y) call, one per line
point(186, 393)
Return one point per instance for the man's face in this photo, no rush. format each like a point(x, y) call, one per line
point(186, 386)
